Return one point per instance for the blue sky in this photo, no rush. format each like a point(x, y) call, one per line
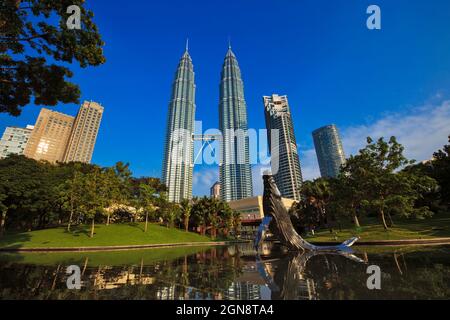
point(318, 52)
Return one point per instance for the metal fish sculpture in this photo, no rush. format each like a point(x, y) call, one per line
point(282, 226)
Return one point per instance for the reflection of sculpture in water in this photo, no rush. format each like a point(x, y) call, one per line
point(290, 283)
point(279, 222)
point(289, 279)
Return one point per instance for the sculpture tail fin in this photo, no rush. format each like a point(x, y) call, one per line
point(350, 242)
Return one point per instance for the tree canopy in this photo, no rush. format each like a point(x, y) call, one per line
point(36, 194)
point(378, 181)
point(35, 48)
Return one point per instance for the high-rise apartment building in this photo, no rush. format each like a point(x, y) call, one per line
point(84, 133)
point(14, 141)
point(215, 191)
point(235, 169)
point(50, 136)
point(329, 150)
point(179, 147)
point(285, 160)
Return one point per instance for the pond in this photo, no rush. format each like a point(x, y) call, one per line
point(232, 272)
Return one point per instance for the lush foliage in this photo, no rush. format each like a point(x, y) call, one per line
point(34, 32)
point(38, 195)
point(377, 182)
point(214, 216)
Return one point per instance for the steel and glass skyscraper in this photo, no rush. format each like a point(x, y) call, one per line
point(283, 146)
point(235, 169)
point(330, 152)
point(179, 149)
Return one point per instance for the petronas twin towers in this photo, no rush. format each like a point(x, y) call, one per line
point(178, 164)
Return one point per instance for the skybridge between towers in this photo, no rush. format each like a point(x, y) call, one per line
point(207, 139)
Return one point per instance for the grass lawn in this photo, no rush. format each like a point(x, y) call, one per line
point(436, 227)
point(112, 235)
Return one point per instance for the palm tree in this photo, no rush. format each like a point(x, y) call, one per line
point(213, 215)
point(318, 194)
point(199, 214)
point(186, 209)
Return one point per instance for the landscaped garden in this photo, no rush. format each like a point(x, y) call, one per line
point(112, 235)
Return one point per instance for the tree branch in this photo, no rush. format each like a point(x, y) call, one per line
point(9, 39)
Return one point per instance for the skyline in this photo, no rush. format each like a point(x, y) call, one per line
point(318, 68)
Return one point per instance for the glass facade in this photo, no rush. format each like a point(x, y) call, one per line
point(284, 153)
point(329, 150)
point(179, 148)
point(235, 169)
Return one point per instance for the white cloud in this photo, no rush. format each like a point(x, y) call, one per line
point(309, 164)
point(257, 177)
point(422, 131)
point(204, 179)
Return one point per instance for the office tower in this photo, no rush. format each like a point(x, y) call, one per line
point(14, 141)
point(215, 190)
point(50, 136)
point(330, 152)
point(179, 148)
point(283, 150)
point(235, 169)
point(84, 133)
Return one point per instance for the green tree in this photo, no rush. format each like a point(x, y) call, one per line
point(33, 32)
point(186, 209)
point(3, 210)
point(214, 215)
point(349, 188)
point(171, 213)
point(93, 202)
point(236, 216)
point(146, 201)
point(441, 172)
point(387, 191)
point(317, 195)
point(123, 182)
point(200, 214)
point(117, 187)
point(227, 218)
point(25, 191)
point(71, 194)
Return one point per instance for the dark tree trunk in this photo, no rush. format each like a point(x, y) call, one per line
point(70, 220)
point(3, 222)
point(391, 222)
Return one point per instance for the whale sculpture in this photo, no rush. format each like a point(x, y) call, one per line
point(277, 218)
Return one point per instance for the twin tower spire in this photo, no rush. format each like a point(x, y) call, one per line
point(178, 163)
